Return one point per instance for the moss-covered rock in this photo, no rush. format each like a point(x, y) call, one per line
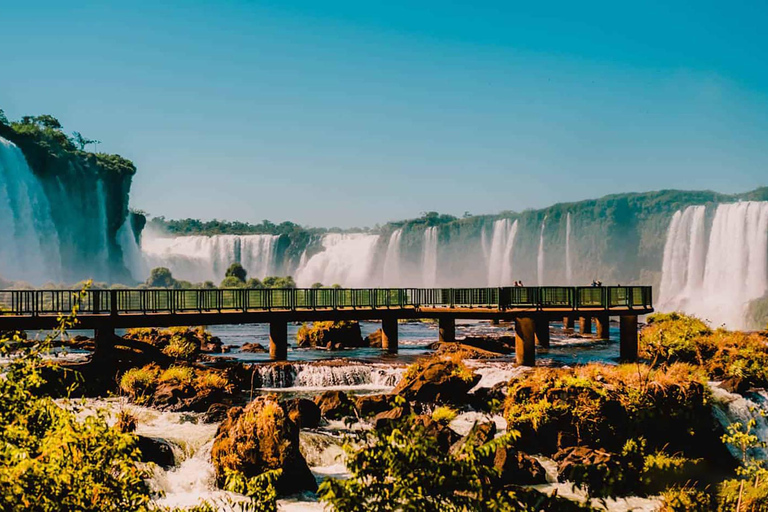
point(335, 405)
point(437, 379)
point(330, 335)
point(260, 438)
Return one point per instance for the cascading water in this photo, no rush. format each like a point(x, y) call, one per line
point(132, 256)
point(716, 278)
point(346, 260)
point(30, 243)
point(429, 257)
point(540, 257)
point(320, 376)
point(500, 253)
point(201, 258)
point(568, 265)
point(392, 275)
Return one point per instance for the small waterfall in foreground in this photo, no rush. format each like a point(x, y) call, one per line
point(206, 258)
point(429, 257)
point(347, 260)
point(30, 243)
point(568, 265)
point(500, 254)
point(716, 277)
point(392, 275)
point(321, 376)
point(540, 257)
point(732, 407)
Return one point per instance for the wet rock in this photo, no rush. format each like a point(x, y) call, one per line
point(80, 342)
point(569, 460)
point(373, 340)
point(370, 405)
point(437, 380)
point(256, 348)
point(735, 385)
point(155, 450)
point(516, 467)
point(465, 351)
point(330, 335)
point(335, 405)
point(259, 438)
point(391, 417)
point(478, 435)
point(303, 412)
point(445, 436)
point(215, 413)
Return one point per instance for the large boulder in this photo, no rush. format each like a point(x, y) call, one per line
point(255, 348)
point(478, 435)
point(569, 460)
point(371, 405)
point(335, 405)
point(445, 436)
point(437, 380)
point(259, 438)
point(374, 339)
point(155, 450)
point(517, 468)
point(330, 335)
point(303, 412)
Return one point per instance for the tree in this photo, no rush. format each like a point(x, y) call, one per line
point(232, 282)
point(236, 270)
point(254, 283)
point(279, 282)
point(43, 121)
point(161, 277)
point(82, 141)
point(3, 119)
point(317, 285)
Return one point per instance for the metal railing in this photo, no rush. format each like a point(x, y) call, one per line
point(149, 301)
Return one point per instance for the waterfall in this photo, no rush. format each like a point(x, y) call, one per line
point(429, 258)
point(346, 259)
point(500, 253)
point(568, 266)
point(132, 257)
point(540, 257)
point(716, 277)
point(30, 243)
point(732, 407)
point(323, 376)
point(391, 276)
point(206, 258)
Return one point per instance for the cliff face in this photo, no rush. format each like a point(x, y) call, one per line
point(88, 195)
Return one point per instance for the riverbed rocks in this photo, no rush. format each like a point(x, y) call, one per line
point(258, 438)
point(254, 348)
point(437, 380)
point(335, 405)
point(517, 468)
point(374, 339)
point(178, 342)
point(303, 412)
point(158, 451)
point(370, 405)
point(330, 335)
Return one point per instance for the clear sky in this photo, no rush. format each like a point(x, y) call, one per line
point(333, 113)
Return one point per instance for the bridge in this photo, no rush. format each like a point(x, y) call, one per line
point(531, 308)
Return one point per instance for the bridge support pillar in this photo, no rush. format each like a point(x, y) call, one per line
point(389, 335)
point(628, 338)
point(447, 327)
point(104, 338)
point(568, 322)
point(525, 341)
point(542, 332)
point(585, 324)
point(495, 321)
point(278, 341)
point(603, 325)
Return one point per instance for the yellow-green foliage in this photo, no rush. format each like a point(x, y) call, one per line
point(444, 414)
point(139, 383)
point(181, 347)
point(752, 494)
point(722, 354)
point(604, 405)
point(321, 333)
point(686, 499)
point(212, 381)
point(457, 367)
point(178, 375)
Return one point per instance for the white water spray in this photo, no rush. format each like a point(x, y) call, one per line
point(716, 278)
point(429, 258)
point(392, 275)
point(346, 260)
point(500, 254)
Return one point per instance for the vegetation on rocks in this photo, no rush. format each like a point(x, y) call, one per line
point(740, 358)
point(184, 343)
point(330, 335)
point(437, 379)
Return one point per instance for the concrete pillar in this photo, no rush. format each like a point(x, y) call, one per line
point(542, 332)
point(495, 321)
point(585, 324)
point(389, 335)
point(525, 341)
point(447, 326)
point(628, 338)
point(278, 341)
point(104, 338)
point(603, 325)
point(567, 322)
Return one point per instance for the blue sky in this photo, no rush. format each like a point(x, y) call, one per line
point(352, 113)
